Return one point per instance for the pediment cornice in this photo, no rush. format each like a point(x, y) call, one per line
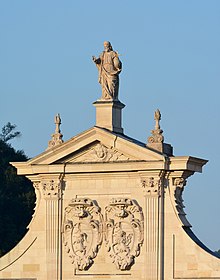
point(95, 141)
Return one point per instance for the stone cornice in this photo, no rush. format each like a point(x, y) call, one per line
point(26, 169)
point(91, 136)
point(174, 164)
point(187, 163)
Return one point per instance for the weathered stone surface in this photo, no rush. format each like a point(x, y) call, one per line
point(109, 67)
point(56, 138)
point(109, 206)
point(124, 231)
point(83, 232)
point(156, 140)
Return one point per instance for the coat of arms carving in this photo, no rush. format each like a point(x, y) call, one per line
point(82, 231)
point(124, 231)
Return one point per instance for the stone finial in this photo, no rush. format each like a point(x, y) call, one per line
point(156, 140)
point(57, 121)
point(157, 117)
point(57, 136)
point(157, 133)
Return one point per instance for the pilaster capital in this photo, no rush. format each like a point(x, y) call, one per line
point(51, 188)
point(179, 182)
point(151, 185)
point(48, 187)
point(36, 185)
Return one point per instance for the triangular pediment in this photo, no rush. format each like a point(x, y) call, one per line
point(97, 145)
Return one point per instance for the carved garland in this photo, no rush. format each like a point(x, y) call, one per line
point(124, 232)
point(82, 232)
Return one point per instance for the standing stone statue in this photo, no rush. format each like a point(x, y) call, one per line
point(109, 67)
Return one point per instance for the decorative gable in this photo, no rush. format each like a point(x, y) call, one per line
point(97, 145)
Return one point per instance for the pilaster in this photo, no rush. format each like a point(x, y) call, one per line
point(154, 222)
point(52, 194)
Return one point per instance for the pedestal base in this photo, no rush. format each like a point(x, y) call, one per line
point(162, 147)
point(108, 115)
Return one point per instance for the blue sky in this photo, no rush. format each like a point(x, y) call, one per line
point(171, 61)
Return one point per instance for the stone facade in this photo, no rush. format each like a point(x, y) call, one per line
point(109, 207)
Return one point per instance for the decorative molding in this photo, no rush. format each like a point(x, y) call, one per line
point(57, 137)
point(124, 231)
point(36, 185)
point(157, 132)
point(100, 153)
point(151, 185)
point(51, 188)
point(179, 184)
point(83, 227)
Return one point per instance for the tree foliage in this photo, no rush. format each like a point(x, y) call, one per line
point(17, 197)
point(8, 132)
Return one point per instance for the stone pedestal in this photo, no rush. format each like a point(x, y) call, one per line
point(161, 147)
point(108, 115)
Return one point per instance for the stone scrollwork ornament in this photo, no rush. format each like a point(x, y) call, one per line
point(124, 231)
point(179, 183)
point(82, 231)
point(177, 198)
point(157, 132)
point(57, 137)
point(101, 153)
point(151, 185)
point(51, 188)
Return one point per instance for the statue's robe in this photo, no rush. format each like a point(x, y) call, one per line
point(109, 68)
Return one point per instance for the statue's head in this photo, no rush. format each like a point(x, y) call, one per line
point(107, 46)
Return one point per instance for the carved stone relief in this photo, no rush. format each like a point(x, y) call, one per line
point(51, 188)
point(56, 138)
point(100, 153)
point(157, 133)
point(151, 185)
point(124, 231)
point(83, 226)
point(36, 185)
point(179, 184)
